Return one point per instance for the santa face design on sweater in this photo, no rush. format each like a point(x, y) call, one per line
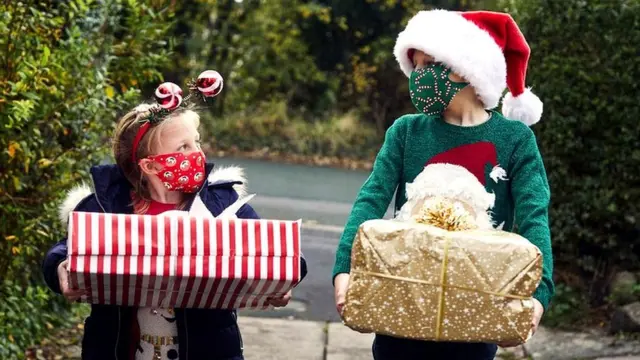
point(475, 157)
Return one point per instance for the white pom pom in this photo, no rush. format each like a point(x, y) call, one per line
point(526, 107)
point(498, 173)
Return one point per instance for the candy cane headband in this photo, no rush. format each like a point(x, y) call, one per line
point(169, 98)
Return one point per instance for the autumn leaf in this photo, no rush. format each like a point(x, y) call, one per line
point(10, 237)
point(16, 182)
point(109, 91)
point(13, 146)
point(15, 250)
point(43, 163)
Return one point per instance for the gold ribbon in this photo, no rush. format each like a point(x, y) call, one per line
point(443, 281)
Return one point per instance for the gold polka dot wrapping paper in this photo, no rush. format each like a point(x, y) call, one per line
point(421, 282)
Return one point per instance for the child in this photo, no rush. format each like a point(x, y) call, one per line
point(159, 167)
point(458, 64)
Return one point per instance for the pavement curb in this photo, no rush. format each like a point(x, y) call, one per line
point(320, 227)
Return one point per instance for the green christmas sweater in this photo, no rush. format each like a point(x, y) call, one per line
point(414, 141)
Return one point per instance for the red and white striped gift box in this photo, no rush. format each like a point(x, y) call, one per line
point(182, 261)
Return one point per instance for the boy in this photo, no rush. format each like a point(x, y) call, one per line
point(458, 65)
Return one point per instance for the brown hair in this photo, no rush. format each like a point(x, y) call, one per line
point(122, 146)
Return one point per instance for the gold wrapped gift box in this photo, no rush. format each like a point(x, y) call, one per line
point(421, 282)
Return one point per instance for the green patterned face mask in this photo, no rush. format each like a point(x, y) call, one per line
point(431, 89)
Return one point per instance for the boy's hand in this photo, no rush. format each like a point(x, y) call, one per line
point(538, 310)
point(63, 277)
point(280, 301)
point(341, 283)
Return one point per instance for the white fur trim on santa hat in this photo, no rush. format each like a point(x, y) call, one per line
point(460, 44)
point(526, 107)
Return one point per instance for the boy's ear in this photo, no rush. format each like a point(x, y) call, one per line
point(149, 167)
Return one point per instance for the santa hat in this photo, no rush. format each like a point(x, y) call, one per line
point(474, 157)
point(486, 48)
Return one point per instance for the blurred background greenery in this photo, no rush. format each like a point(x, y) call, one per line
point(306, 80)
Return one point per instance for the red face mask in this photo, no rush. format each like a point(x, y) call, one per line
point(181, 172)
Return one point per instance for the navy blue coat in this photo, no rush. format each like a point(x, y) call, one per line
point(202, 333)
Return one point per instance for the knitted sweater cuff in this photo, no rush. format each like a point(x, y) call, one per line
point(342, 265)
point(543, 295)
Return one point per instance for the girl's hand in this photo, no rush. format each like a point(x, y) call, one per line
point(538, 310)
point(280, 301)
point(63, 277)
point(341, 284)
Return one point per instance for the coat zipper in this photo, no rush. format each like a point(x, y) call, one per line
point(97, 198)
point(235, 316)
point(118, 335)
point(186, 335)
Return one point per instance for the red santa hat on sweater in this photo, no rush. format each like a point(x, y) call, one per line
point(486, 48)
point(475, 158)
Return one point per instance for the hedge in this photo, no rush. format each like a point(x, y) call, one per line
point(585, 67)
point(67, 69)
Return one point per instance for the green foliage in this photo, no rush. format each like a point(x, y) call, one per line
point(354, 43)
point(585, 67)
point(27, 313)
point(319, 57)
point(258, 47)
point(569, 307)
point(273, 127)
point(624, 295)
point(67, 70)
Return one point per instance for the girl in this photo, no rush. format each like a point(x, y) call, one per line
point(150, 144)
point(458, 65)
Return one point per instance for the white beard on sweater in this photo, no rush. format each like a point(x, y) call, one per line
point(451, 182)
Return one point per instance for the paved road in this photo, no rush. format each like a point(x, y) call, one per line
point(321, 196)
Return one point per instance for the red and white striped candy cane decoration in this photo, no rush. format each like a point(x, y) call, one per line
point(210, 83)
point(169, 95)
